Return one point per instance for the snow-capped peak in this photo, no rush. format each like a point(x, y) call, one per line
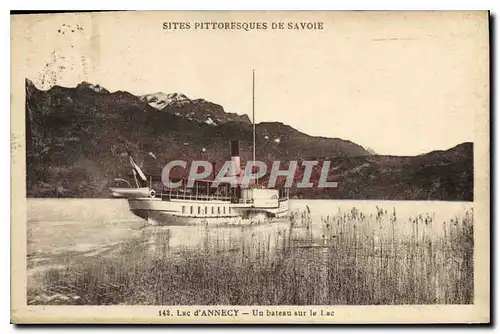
point(160, 100)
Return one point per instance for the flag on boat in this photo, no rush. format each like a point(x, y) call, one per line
point(135, 167)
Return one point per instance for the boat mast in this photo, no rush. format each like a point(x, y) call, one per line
point(253, 120)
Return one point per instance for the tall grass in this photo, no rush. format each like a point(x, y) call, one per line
point(345, 258)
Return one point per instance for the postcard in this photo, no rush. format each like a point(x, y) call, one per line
point(250, 167)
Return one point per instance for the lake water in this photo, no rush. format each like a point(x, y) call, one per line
point(81, 245)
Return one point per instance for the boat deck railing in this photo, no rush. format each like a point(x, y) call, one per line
point(168, 195)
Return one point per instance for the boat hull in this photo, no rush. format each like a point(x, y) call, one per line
point(185, 212)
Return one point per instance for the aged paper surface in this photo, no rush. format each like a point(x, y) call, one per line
point(385, 219)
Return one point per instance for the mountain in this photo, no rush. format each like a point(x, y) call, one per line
point(438, 175)
point(75, 147)
point(198, 110)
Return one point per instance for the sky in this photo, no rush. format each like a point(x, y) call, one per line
point(399, 84)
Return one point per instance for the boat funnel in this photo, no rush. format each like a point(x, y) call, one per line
point(235, 157)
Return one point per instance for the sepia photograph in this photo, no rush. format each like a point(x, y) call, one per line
point(250, 167)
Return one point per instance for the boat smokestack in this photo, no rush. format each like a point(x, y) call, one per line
point(235, 156)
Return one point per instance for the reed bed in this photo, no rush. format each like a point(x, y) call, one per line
point(347, 258)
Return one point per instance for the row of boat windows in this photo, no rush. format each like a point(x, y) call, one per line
point(205, 210)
